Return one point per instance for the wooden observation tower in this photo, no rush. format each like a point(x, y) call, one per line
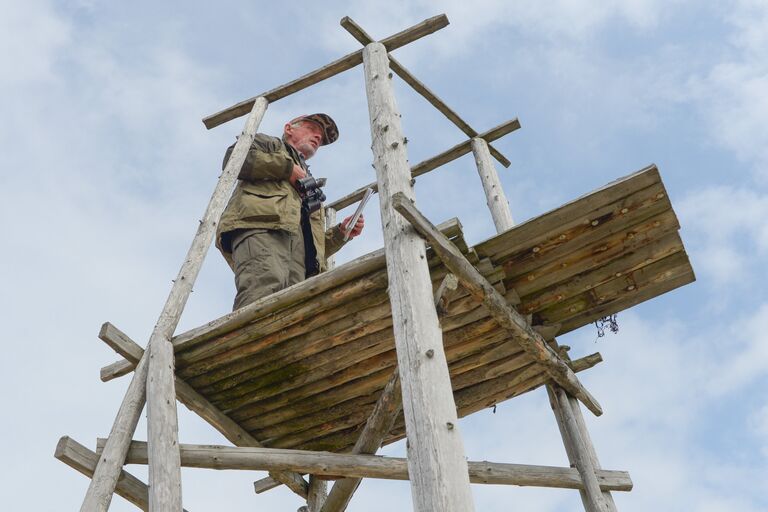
point(302, 383)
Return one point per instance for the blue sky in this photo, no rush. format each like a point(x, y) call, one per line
point(106, 168)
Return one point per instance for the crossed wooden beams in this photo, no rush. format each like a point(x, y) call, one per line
point(155, 383)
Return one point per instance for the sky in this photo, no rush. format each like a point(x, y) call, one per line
point(106, 168)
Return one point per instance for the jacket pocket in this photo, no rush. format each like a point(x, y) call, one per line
point(263, 206)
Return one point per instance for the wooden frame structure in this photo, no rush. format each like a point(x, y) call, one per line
point(447, 330)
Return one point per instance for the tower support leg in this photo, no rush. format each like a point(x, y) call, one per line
point(436, 461)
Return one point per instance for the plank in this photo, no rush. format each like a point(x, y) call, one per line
point(373, 466)
point(362, 36)
point(393, 42)
point(539, 227)
point(270, 304)
point(507, 317)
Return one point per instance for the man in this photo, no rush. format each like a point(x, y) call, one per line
point(267, 233)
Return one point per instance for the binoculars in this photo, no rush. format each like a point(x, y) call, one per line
point(312, 196)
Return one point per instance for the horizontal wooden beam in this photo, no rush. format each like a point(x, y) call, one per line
point(578, 365)
point(497, 306)
point(398, 40)
point(372, 466)
point(78, 457)
point(433, 163)
point(129, 349)
point(364, 38)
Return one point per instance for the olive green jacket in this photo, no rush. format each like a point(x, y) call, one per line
point(265, 199)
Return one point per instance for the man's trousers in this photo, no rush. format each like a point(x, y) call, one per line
point(266, 261)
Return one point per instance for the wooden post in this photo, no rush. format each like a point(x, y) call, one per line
point(587, 441)
point(436, 461)
point(162, 429)
point(107, 471)
point(591, 495)
point(330, 221)
point(494, 193)
point(110, 463)
point(318, 491)
point(196, 403)
point(563, 410)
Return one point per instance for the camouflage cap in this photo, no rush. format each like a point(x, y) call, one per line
point(330, 130)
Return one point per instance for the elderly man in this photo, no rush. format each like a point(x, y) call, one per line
point(270, 234)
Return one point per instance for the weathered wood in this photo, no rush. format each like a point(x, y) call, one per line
point(594, 500)
point(293, 365)
point(162, 422)
point(600, 239)
point(436, 453)
point(345, 279)
point(619, 288)
point(125, 346)
point(80, 458)
point(379, 423)
point(594, 271)
point(372, 466)
point(362, 36)
point(108, 468)
point(541, 227)
point(398, 40)
point(499, 309)
point(433, 163)
point(663, 285)
point(330, 222)
point(591, 453)
point(490, 393)
point(318, 491)
point(494, 193)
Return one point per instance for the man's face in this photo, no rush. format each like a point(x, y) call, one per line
point(306, 137)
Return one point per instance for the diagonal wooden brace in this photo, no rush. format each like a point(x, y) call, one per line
point(507, 317)
point(408, 35)
point(126, 347)
point(364, 38)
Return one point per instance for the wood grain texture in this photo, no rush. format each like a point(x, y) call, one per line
point(80, 458)
point(124, 345)
point(495, 197)
point(507, 317)
point(436, 456)
point(373, 466)
point(393, 42)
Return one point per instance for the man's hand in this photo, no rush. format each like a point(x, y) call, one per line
point(296, 174)
point(356, 229)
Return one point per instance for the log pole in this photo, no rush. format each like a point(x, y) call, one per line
point(436, 461)
point(494, 193)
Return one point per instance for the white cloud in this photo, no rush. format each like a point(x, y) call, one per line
point(30, 35)
point(726, 229)
point(733, 94)
point(758, 422)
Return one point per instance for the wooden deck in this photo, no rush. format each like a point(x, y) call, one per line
point(303, 368)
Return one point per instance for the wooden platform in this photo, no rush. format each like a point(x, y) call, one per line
point(304, 367)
